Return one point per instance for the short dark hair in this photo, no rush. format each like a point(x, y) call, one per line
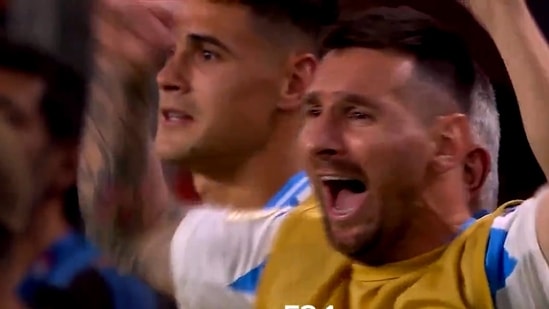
point(439, 53)
point(309, 16)
point(64, 100)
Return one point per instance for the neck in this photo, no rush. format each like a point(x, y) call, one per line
point(253, 181)
point(431, 222)
point(47, 225)
point(425, 233)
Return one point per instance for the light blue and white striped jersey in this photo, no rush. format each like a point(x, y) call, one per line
point(516, 268)
point(218, 254)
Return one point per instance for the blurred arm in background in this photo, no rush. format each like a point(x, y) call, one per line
point(121, 186)
point(526, 56)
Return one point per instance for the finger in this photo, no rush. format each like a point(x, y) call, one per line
point(152, 24)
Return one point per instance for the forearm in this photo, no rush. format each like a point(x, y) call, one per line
point(154, 252)
point(115, 161)
point(526, 55)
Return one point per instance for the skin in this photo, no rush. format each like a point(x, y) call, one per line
point(15, 177)
point(528, 64)
point(525, 53)
point(53, 169)
point(412, 162)
point(526, 56)
point(18, 96)
point(240, 93)
point(118, 171)
point(243, 102)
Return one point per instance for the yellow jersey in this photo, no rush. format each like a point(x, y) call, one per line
point(496, 260)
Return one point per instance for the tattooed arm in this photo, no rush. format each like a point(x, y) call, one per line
point(121, 188)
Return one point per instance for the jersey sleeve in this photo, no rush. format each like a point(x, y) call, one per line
point(218, 255)
point(516, 268)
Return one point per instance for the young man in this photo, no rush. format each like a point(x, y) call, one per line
point(50, 263)
point(392, 158)
point(229, 57)
point(229, 111)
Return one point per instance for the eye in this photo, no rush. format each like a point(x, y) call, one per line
point(312, 111)
point(359, 115)
point(208, 55)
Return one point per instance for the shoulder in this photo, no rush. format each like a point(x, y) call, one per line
point(306, 214)
point(222, 250)
point(309, 211)
point(303, 226)
point(515, 266)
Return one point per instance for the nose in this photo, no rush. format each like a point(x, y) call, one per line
point(323, 138)
point(172, 77)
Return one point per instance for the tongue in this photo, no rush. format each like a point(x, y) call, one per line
point(347, 201)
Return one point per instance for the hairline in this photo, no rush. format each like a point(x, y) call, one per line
point(279, 33)
point(480, 114)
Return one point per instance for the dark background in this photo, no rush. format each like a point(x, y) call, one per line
point(520, 175)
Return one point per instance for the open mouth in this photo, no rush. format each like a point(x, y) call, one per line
point(172, 116)
point(344, 196)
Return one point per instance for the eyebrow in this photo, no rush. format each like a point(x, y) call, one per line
point(196, 38)
point(349, 97)
point(312, 98)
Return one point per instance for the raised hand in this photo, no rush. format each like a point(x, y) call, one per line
point(134, 35)
point(120, 183)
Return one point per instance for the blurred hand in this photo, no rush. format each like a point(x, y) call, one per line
point(134, 35)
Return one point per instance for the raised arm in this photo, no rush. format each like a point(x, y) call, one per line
point(526, 56)
point(122, 192)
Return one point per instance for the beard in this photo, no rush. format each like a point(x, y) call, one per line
point(374, 246)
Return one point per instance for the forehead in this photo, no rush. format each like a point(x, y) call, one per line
point(20, 88)
point(232, 23)
point(367, 72)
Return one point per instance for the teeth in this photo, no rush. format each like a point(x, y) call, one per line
point(174, 116)
point(332, 178)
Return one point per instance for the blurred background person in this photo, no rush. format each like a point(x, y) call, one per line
point(14, 207)
point(51, 263)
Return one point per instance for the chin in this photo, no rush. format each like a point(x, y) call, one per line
point(353, 241)
point(170, 153)
point(164, 154)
